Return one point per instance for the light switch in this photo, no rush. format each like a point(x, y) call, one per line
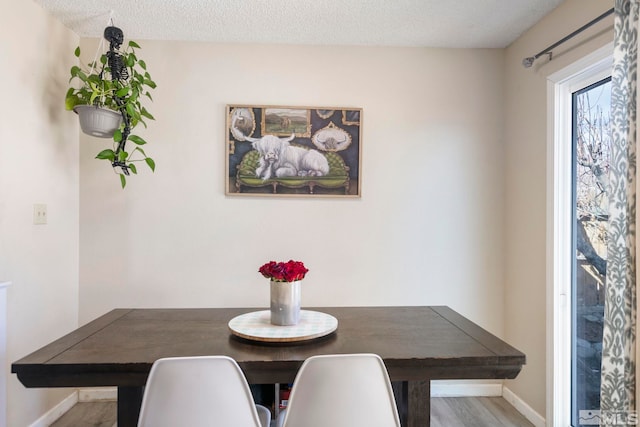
point(39, 214)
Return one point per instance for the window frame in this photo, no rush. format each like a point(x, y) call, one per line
point(560, 87)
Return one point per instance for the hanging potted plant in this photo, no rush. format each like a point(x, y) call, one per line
point(108, 101)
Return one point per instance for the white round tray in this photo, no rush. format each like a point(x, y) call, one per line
point(257, 326)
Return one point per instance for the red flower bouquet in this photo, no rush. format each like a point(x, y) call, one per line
point(289, 271)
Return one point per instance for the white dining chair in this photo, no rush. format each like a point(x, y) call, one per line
point(345, 390)
point(199, 391)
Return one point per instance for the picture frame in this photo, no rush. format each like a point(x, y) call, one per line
point(282, 121)
point(293, 151)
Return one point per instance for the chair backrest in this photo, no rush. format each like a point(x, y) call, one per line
point(347, 390)
point(197, 391)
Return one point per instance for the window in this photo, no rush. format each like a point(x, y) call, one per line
point(591, 137)
point(567, 372)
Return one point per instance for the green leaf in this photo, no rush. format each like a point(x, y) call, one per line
point(117, 135)
point(77, 52)
point(122, 92)
point(151, 163)
point(150, 83)
point(134, 44)
point(95, 79)
point(146, 114)
point(143, 64)
point(123, 180)
point(74, 71)
point(133, 168)
point(94, 95)
point(137, 140)
point(70, 102)
point(107, 154)
point(122, 156)
point(77, 73)
point(132, 112)
point(103, 59)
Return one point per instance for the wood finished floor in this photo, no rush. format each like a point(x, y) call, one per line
point(445, 412)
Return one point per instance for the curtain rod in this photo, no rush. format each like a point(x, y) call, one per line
point(528, 62)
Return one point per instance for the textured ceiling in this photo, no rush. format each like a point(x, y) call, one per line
point(435, 23)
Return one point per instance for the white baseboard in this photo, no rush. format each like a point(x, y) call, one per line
point(464, 389)
point(471, 389)
point(101, 394)
point(438, 389)
point(57, 411)
point(529, 413)
point(82, 395)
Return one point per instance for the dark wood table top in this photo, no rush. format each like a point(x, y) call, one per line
point(416, 343)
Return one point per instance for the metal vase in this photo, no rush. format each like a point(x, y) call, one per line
point(285, 303)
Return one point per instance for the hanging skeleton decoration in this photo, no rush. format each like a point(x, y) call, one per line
point(119, 72)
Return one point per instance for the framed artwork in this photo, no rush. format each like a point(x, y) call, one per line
point(293, 151)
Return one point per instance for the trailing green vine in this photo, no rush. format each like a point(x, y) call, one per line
point(122, 94)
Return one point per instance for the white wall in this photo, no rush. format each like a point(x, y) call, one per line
point(38, 164)
point(526, 185)
point(427, 230)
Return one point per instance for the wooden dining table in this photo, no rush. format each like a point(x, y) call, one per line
point(417, 343)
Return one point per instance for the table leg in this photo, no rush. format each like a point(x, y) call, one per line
point(419, 404)
point(129, 402)
point(413, 399)
point(400, 390)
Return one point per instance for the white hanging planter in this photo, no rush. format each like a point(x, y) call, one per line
point(98, 122)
